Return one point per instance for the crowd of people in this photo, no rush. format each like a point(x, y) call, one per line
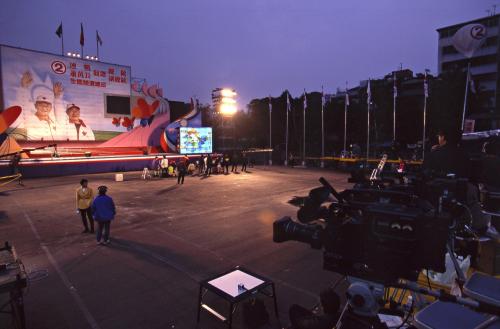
point(205, 165)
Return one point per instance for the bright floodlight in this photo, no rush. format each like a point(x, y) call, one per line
point(228, 109)
point(227, 93)
point(227, 100)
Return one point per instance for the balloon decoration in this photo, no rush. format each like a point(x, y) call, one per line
point(144, 111)
point(469, 38)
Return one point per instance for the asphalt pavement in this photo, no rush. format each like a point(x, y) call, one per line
point(164, 240)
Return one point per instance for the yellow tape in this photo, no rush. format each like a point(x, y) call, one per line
point(10, 179)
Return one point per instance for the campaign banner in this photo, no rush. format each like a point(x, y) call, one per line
point(63, 97)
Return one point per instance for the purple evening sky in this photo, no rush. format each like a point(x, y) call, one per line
point(258, 47)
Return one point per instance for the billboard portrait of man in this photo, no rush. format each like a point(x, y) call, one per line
point(76, 128)
point(41, 120)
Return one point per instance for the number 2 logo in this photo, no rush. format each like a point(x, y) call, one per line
point(58, 67)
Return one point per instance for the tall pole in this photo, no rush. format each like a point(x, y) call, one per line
point(426, 94)
point(286, 132)
point(395, 94)
point(270, 132)
point(368, 125)
point(304, 134)
point(97, 43)
point(465, 97)
point(345, 116)
point(322, 128)
point(62, 42)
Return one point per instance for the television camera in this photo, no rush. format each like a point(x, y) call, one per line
point(381, 238)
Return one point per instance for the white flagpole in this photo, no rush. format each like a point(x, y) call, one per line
point(286, 132)
point(426, 94)
point(345, 116)
point(395, 95)
point(322, 128)
point(465, 97)
point(304, 137)
point(270, 132)
point(368, 124)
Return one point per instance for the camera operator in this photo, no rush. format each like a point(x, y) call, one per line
point(447, 157)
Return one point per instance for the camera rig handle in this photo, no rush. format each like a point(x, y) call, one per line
point(336, 194)
point(446, 297)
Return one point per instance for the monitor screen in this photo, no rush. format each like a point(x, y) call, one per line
point(117, 104)
point(195, 140)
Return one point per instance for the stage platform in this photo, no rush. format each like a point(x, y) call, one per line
point(76, 165)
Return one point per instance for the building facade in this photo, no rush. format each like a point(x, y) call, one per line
point(484, 69)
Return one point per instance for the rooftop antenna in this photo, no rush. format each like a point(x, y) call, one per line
point(401, 66)
point(489, 12)
point(494, 10)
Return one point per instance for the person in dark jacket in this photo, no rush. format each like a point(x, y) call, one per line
point(446, 157)
point(235, 161)
point(181, 170)
point(104, 211)
point(208, 169)
point(244, 162)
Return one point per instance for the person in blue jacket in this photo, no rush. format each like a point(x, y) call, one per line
point(104, 211)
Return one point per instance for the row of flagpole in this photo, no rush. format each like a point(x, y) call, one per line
point(346, 105)
point(60, 34)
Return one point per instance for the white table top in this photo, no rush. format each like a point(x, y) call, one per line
point(229, 282)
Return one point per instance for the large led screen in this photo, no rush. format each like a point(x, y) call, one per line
point(195, 140)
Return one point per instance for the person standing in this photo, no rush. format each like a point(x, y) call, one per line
point(208, 165)
point(84, 197)
point(181, 169)
point(104, 211)
point(244, 162)
point(164, 166)
point(234, 167)
point(202, 162)
point(15, 167)
point(227, 160)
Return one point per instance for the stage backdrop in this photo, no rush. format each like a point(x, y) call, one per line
point(51, 89)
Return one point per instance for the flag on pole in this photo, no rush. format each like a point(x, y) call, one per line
point(98, 38)
point(426, 86)
point(305, 100)
point(59, 30)
point(347, 98)
point(323, 99)
point(288, 108)
point(369, 92)
point(270, 104)
point(395, 88)
point(472, 84)
point(82, 37)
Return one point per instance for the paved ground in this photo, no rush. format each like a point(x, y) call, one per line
point(165, 239)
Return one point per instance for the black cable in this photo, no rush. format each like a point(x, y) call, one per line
point(407, 315)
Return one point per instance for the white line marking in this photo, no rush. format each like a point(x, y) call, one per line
point(64, 278)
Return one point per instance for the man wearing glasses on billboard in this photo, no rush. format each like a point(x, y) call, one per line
point(76, 129)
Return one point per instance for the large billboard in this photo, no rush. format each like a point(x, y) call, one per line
point(62, 97)
point(195, 140)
